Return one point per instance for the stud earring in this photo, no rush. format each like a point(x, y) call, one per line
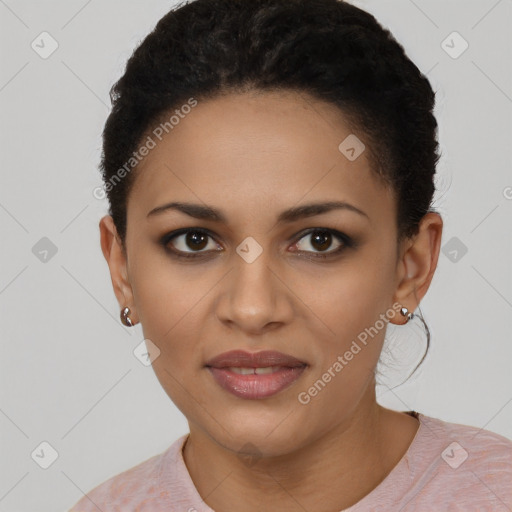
point(405, 312)
point(125, 317)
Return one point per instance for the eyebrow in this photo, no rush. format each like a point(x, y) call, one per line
point(290, 215)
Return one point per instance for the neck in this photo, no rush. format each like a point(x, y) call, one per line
point(357, 455)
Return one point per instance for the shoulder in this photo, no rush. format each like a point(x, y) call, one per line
point(134, 487)
point(475, 445)
point(469, 465)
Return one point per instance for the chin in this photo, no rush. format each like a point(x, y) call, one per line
point(256, 437)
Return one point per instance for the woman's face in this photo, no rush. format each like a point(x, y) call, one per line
point(258, 280)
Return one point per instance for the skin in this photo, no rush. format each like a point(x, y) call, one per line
point(253, 155)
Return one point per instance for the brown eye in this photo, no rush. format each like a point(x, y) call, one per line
point(189, 241)
point(196, 240)
point(320, 240)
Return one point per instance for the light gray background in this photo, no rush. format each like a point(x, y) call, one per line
point(68, 373)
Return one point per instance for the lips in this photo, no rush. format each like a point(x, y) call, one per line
point(255, 375)
point(263, 359)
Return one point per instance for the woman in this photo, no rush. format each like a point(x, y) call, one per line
point(270, 170)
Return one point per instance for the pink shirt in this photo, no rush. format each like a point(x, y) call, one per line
point(448, 467)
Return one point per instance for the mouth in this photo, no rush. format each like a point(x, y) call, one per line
point(255, 375)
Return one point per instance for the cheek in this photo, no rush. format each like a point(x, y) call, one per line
point(166, 303)
point(169, 308)
point(352, 346)
point(351, 299)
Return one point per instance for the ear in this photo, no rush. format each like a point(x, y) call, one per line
point(116, 258)
point(417, 263)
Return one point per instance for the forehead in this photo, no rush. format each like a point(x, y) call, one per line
point(257, 153)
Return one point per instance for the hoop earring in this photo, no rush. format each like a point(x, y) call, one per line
point(125, 318)
point(405, 312)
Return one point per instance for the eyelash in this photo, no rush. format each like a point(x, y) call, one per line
point(345, 240)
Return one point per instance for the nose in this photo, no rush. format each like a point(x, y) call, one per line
point(255, 298)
